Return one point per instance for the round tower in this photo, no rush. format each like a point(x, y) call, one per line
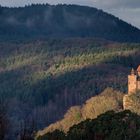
point(138, 78)
point(138, 70)
point(132, 82)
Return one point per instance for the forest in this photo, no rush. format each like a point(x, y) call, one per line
point(56, 60)
point(41, 80)
point(124, 126)
point(101, 118)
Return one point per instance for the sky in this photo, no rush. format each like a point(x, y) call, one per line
point(128, 10)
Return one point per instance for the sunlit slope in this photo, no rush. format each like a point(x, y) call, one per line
point(38, 71)
point(108, 100)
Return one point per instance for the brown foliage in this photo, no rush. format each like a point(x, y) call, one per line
point(106, 101)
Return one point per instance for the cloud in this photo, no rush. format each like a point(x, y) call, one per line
point(117, 3)
point(129, 10)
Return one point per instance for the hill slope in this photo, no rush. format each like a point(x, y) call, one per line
point(76, 123)
point(108, 126)
point(42, 79)
point(41, 21)
point(95, 106)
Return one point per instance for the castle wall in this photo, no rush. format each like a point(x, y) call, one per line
point(138, 85)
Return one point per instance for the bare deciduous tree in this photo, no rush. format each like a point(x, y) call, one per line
point(3, 120)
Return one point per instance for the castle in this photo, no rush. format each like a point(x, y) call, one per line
point(133, 87)
point(134, 81)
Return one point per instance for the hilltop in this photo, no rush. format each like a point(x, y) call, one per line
point(108, 100)
point(63, 21)
point(101, 117)
point(108, 126)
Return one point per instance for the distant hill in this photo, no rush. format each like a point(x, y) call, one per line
point(49, 21)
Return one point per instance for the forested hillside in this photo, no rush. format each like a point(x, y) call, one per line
point(53, 57)
point(108, 100)
point(78, 122)
point(62, 21)
point(108, 126)
point(40, 80)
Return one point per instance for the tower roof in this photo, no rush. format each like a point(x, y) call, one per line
point(138, 69)
point(132, 71)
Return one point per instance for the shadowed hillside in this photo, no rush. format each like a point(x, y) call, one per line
point(62, 21)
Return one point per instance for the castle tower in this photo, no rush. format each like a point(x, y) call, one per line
point(138, 78)
point(133, 87)
point(138, 71)
point(134, 81)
